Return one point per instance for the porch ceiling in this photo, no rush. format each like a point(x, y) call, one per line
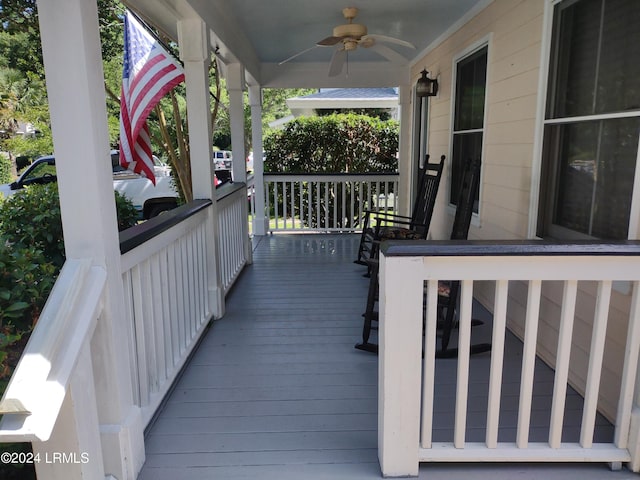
point(261, 34)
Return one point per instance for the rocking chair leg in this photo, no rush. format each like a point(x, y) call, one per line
point(369, 314)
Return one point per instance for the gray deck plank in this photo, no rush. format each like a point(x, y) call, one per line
point(276, 390)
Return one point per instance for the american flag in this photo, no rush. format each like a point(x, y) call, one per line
point(149, 72)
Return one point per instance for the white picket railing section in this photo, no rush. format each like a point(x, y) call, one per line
point(169, 287)
point(406, 389)
point(326, 203)
point(233, 232)
point(166, 286)
point(54, 377)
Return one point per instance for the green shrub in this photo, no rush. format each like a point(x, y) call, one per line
point(5, 169)
point(341, 143)
point(31, 256)
point(31, 218)
point(26, 278)
point(127, 213)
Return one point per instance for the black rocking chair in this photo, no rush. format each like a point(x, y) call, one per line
point(447, 291)
point(391, 226)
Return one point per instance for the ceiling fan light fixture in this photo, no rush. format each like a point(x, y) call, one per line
point(352, 30)
point(350, 44)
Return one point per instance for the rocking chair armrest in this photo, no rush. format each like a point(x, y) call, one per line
point(393, 223)
point(387, 214)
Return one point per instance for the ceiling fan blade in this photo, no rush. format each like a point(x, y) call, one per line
point(297, 54)
point(337, 62)
point(388, 53)
point(384, 38)
point(329, 42)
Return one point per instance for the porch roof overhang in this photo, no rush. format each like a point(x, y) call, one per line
point(259, 35)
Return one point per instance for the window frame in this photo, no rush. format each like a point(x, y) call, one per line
point(541, 195)
point(470, 50)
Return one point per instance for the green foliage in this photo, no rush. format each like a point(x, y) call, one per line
point(127, 213)
point(31, 219)
point(274, 104)
point(5, 169)
point(26, 278)
point(342, 143)
point(33, 148)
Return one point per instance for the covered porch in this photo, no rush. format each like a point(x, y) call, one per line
point(276, 390)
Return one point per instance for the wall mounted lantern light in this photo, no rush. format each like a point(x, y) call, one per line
point(426, 87)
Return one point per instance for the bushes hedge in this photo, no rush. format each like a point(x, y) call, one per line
point(5, 169)
point(339, 143)
point(31, 256)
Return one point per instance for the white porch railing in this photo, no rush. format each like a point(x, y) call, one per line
point(54, 379)
point(166, 286)
point(406, 388)
point(168, 279)
point(234, 251)
point(326, 203)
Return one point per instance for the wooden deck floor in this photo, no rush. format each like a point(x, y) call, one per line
point(276, 390)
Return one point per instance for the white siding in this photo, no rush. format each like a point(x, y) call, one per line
point(515, 32)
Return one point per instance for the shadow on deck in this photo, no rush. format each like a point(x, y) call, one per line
point(277, 391)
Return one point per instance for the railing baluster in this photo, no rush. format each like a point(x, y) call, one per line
point(293, 210)
point(562, 362)
point(464, 343)
point(284, 204)
point(429, 364)
point(395, 204)
point(528, 362)
point(267, 206)
point(497, 360)
point(629, 371)
point(326, 204)
point(318, 193)
point(301, 206)
point(598, 337)
point(276, 204)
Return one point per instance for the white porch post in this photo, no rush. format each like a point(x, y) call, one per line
point(405, 165)
point(195, 53)
point(235, 85)
point(75, 86)
point(260, 222)
point(400, 349)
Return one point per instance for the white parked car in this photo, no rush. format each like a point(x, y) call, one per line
point(148, 199)
point(222, 159)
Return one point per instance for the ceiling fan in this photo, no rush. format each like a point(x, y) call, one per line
point(348, 37)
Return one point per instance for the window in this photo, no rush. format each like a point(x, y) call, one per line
point(592, 123)
point(468, 117)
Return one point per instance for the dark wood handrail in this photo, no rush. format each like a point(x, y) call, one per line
point(138, 234)
point(474, 248)
point(325, 174)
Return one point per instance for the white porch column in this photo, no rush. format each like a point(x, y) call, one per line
point(399, 365)
point(260, 221)
point(405, 165)
point(75, 86)
point(235, 86)
point(195, 53)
